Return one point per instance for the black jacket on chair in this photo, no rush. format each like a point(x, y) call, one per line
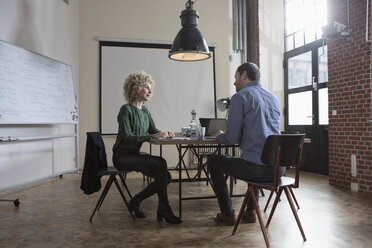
point(95, 159)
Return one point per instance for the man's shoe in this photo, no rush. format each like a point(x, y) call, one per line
point(249, 216)
point(226, 218)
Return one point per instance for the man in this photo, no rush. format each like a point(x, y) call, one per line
point(253, 115)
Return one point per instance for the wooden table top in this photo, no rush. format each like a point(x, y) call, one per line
point(184, 141)
point(192, 141)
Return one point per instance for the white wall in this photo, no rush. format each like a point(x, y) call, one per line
point(271, 29)
point(146, 20)
point(49, 28)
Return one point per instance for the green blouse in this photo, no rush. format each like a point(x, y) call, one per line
point(135, 127)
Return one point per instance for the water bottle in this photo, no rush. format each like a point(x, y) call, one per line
point(193, 124)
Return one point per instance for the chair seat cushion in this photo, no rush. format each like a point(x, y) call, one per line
point(284, 181)
point(110, 170)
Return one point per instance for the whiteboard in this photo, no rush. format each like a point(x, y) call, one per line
point(179, 86)
point(34, 89)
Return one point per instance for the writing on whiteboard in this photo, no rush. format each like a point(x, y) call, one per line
point(34, 89)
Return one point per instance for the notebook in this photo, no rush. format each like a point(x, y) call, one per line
point(212, 126)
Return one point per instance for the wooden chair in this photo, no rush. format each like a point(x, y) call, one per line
point(279, 150)
point(112, 172)
point(290, 189)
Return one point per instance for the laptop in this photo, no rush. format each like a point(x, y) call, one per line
point(212, 126)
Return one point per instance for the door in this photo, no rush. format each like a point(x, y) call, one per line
point(306, 101)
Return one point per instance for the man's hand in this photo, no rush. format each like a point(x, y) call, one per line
point(219, 132)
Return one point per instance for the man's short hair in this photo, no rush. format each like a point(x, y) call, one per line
point(253, 72)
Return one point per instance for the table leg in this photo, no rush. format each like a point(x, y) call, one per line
point(179, 180)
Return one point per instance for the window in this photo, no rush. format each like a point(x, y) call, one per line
point(323, 65)
point(323, 106)
point(300, 108)
point(300, 69)
point(303, 21)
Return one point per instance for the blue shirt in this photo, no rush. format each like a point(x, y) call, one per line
point(254, 114)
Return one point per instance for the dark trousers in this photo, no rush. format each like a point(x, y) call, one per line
point(220, 165)
point(152, 166)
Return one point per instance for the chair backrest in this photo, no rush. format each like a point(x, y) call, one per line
point(283, 150)
point(96, 138)
point(95, 160)
point(290, 145)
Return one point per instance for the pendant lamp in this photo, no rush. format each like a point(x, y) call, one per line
point(189, 44)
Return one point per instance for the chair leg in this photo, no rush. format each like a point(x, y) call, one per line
point(122, 196)
point(246, 198)
point(277, 199)
point(102, 197)
point(262, 192)
point(104, 193)
point(125, 184)
point(268, 200)
point(207, 173)
point(294, 198)
point(250, 193)
point(258, 212)
point(200, 162)
point(294, 212)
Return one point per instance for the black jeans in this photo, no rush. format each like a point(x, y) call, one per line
point(152, 166)
point(220, 165)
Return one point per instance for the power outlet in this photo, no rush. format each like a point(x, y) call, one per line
point(353, 166)
point(354, 187)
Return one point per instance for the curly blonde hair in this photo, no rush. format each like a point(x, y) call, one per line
point(133, 85)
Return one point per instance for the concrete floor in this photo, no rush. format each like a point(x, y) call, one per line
point(55, 213)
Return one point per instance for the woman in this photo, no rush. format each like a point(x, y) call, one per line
point(135, 127)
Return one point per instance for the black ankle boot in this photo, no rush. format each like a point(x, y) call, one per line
point(166, 213)
point(134, 206)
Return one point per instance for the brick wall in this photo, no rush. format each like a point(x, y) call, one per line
point(350, 79)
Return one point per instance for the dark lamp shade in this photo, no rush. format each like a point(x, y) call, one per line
point(189, 44)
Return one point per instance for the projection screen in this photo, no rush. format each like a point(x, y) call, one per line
point(179, 86)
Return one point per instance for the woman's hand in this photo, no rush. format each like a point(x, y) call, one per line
point(170, 134)
point(160, 134)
